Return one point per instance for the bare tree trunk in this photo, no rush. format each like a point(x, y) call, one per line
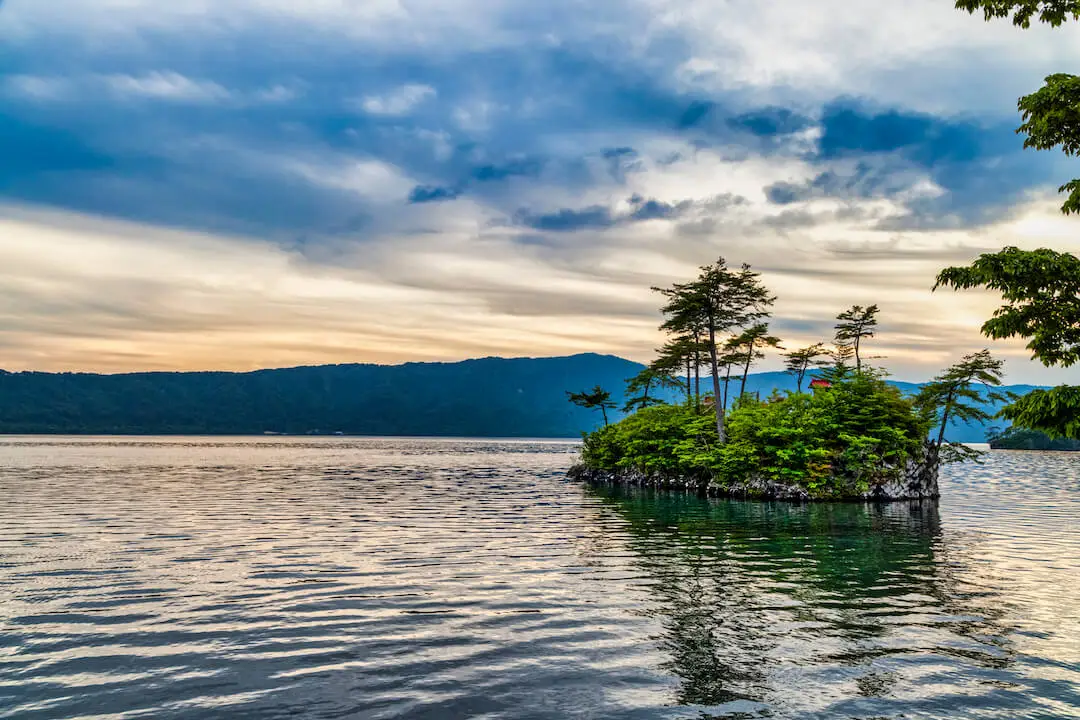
point(697, 374)
point(689, 389)
point(715, 367)
point(727, 383)
point(944, 418)
point(603, 411)
point(746, 369)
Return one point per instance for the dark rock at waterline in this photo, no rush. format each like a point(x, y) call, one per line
point(919, 481)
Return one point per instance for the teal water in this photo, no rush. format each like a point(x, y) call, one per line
point(387, 578)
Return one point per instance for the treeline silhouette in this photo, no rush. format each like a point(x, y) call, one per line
point(489, 397)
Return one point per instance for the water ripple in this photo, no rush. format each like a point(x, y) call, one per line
point(394, 578)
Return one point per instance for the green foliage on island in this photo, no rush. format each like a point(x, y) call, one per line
point(850, 432)
point(835, 441)
point(1017, 438)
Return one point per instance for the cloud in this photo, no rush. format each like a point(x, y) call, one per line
point(169, 86)
point(520, 167)
point(121, 296)
point(622, 161)
point(444, 144)
point(637, 209)
point(802, 219)
point(543, 118)
point(771, 122)
point(864, 181)
point(398, 102)
point(36, 88)
point(165, 87)
point(695, 113)
point(850, 129)
point(432, 193)
point(945, 172)
point(471, 176)
point(468, 117)
point(652, 209)
point(567, 220)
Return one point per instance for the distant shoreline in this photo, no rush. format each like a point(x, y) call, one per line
point(510, 398)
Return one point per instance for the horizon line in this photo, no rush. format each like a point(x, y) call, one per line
point(462, 361)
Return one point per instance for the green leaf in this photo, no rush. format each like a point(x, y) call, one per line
point(1055, 412)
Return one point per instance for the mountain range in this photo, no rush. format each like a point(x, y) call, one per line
point(487, 397)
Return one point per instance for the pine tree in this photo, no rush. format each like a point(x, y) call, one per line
point(597, 398)
point(717, 302)
point(752, 343)
point(654, 377)
point(799, 362)
point(954, 396)
point(856, 324)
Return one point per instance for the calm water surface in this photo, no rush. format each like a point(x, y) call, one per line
point(341, 578)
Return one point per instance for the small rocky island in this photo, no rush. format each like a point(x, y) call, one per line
point(848, 436)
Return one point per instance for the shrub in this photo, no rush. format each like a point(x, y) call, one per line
point(837, 441)
point(661, 439)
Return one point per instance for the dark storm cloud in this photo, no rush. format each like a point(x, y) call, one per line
point(530, 167)
point(696, 113)
point(621, 161)
point(640, 209)
point(849, 129)
point(567, 220)
point(771, 122)
point(207, 135)
point(432, 193)
point(156, 116)
point(980, 167)
point(865, 181)
point(486, 173)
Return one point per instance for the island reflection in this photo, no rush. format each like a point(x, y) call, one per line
point(838, 609)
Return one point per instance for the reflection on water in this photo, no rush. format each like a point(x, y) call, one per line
point(451, 579)
point(761, 603)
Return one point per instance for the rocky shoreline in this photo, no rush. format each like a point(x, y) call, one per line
point(918, 482)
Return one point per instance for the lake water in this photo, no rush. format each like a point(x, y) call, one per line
point(383, 578)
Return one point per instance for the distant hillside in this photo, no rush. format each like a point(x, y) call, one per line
point(489, 397)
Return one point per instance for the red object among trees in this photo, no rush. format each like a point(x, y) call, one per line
point(819, 383)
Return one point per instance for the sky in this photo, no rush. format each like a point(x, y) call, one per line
point(236, 184)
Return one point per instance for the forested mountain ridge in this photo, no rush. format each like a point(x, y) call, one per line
point(487, 397)
point(495, 397)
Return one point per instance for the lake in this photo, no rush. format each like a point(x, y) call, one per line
point(403, 578)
